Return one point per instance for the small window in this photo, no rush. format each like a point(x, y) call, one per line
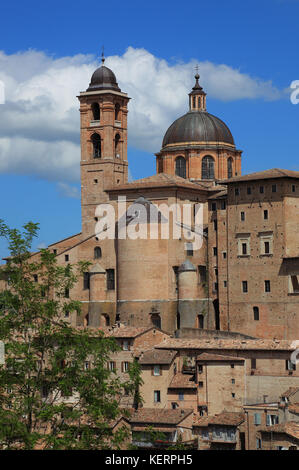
point(35, 278)
point(232, 366)
point(55, 252)
point(244, 248)
point(117, 109)
point(223, 205)
point(110, 279)
point(157, 396)
point(237, 191)
point(86, 365)
point(126, 345)
point(224, 254)
point(267, 286)
point(244, 286)
point(293, 188)
point(253, 363)
point(215, 251)
point(290, 366)
point(86, 282)
point(257, 419)
point(174, 405)
point(265, 214)
point(181, 396)
point(261, 189)
point(125, 366)
point(96, 143)
point(66, 257)
point(256, 313)
point(189, 249)
point(200, 384)
point(202, 274)
point(294, 284)
point(266, 248)
point(97, 252)
point(214, 206)
point(112, 366)
point(233, 381)
point(274, 188)
point(224, 283)
point(95, 111)
point(67, 293)
point(233, 395)
point(215, 224)
point(156, 370)
point(242, 216)
point(249, 190)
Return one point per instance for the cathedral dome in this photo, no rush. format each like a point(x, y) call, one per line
point(103, 79)
point(198, 126)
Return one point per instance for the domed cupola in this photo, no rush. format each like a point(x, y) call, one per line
point(103, 79)
point(199, 145)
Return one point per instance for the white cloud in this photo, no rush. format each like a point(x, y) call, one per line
point(39, 122)
point(68, 190)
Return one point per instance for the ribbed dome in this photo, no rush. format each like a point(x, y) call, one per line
point(103, 79)
point(198, 126)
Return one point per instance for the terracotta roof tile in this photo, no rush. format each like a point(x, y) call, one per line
point(227, 344)
point(157, 181)
point(124, 331)
point(201, 421)
point(182, 381)
point(261, 175)
point(159, 416)
point(294, 408)
point(157, 356)
point(227, 418)
point(290, 428)
point(217, 357)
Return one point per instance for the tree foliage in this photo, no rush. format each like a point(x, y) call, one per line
point(56, 391)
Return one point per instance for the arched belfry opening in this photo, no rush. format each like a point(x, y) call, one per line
point(96, 143)
point(95, 107)
point(117, 146)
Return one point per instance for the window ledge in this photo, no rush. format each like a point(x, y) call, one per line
point(293, 293)
point(243, 256)
point(269, 255)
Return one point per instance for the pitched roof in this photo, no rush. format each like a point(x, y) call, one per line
point(217, 357)
point(201, 421)
point(125, 331)
point(157, 181)
point(290, 391)
point(227, 344)
point(159, 416)
point(157, 356)
point(182, 381)
point(227, 418)
point(290, 428)
point(263, 175)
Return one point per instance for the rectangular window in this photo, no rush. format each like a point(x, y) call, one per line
point(35, 278)
point(267, 286)
point(256, 313)
point(67, 293)
point(224, 255)
point(244, 286)
point(157, 396)
point(215, 251)
point(125, 345)
point(86, 365)
point(110, 279)
point(293, 188)
point(242, 216)
point(189, 249)
point(157, 370)
point(200, 384)
point(237, 192)
point(233, 381)
point(202, 274)
point(249, 190)
point(112, 366)
point(181, 396)
point(66, 257)
point(262, 189)
point(265, 214)
point(233, 395)
point(214, 206)
point(223, 205)
point(257, 419)
point(224, 283)
point(55, 252)
point(244, 248)
point(253, 363)
point(258, 443)
point(125, 366)
point(290, 365)
point(294, 284)
point(215, 224)
point(86, 283)
point(273, 188)
point(266, 248)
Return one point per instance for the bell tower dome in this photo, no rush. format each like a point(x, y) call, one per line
point(103, 131)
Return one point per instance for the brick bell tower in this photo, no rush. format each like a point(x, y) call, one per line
point(103, 131)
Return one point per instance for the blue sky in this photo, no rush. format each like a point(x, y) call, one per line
point(252, 42)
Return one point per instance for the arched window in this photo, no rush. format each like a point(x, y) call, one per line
point(117, 145)
point(105, 320)
point(200, 321)
point(207, 168)
point(95, 111)
point(117, 109)
point(180, 167)
point(97, 252)
point(96, 142)
point(229, 167)
point(156, 320)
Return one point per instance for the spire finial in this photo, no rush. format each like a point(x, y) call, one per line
point(196, 72)
point(103, 56)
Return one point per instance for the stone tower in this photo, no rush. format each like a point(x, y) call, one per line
point(103, 112)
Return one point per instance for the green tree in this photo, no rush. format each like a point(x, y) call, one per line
point(56, 391)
